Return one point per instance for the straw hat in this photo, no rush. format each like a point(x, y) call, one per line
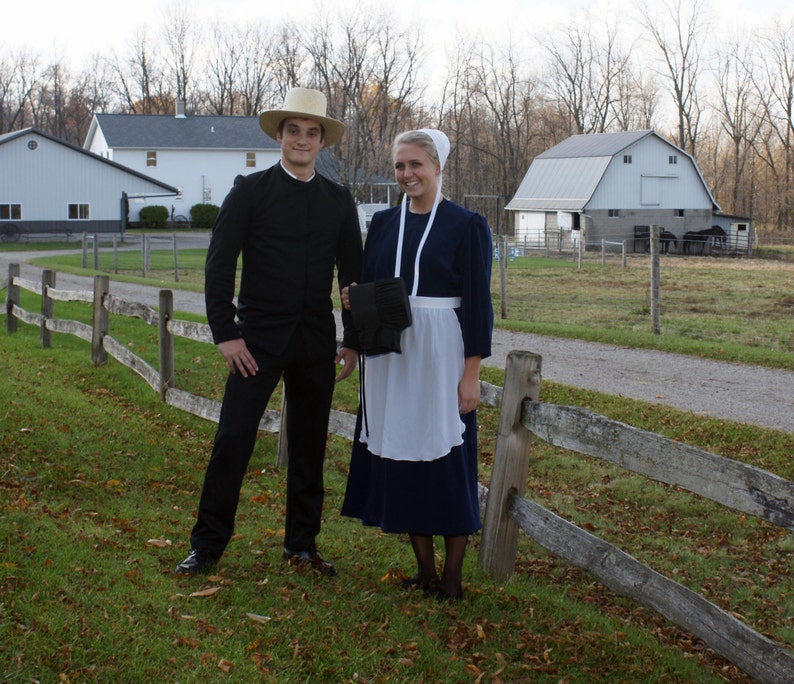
point(303, 103)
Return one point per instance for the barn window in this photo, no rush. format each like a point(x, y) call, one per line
point(151, 158)
point(79, 212)
point(250, 159)
point(10, 212)
point(614, 213)
point(672, 159)
point(679, 213)
point(627, 159)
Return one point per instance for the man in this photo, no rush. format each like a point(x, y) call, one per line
point(292, 227)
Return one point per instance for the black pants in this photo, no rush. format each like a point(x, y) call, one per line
point(309, 386)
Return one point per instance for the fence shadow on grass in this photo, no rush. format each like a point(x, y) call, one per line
point(730, 483)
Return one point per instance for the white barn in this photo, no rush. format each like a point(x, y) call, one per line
point(610, 186)
point(48, 185)
point(199, 155)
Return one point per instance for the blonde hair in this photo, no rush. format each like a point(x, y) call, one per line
point(420, 139)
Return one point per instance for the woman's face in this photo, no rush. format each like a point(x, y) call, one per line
point(416, 173)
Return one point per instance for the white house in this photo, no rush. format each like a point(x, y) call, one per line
point(48, 185)
point(612, 186)
point(199, 155)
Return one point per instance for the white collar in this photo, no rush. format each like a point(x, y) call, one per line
point(289, 173)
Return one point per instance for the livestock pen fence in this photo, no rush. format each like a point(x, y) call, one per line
point(727, 482)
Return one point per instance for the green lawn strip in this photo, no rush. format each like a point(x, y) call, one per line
point(98, 487)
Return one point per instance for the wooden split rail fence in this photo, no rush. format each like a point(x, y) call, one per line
point(730, 483)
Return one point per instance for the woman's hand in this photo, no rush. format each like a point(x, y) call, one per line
point(469, 385)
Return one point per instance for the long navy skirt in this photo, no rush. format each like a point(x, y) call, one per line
point(437, 497)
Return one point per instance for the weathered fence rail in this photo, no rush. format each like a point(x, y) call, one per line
point(727, 482)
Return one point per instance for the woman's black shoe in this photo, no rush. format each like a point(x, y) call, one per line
point(442, 595)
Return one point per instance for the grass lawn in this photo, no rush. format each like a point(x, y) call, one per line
point(98, 487)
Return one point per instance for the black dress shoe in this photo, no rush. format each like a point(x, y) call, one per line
point(197, 563)
point(414, 582)
point(310, 560)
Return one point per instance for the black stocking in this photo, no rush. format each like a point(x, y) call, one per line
point(425, 559)
point(452, 576)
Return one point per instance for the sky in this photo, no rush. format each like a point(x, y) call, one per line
point(74, 30)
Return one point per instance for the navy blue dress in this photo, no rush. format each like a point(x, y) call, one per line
point(438, 497)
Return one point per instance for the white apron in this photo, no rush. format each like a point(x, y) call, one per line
point(411, 399)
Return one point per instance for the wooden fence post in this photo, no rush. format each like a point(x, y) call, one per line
point(47, 307)
point(167, 373)
point(511, 462)
point(503, 273)
point(656, 327)
point(12, 299)
point(101, 319)
point(176, 258)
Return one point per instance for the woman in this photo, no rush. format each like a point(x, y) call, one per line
point(414, 464)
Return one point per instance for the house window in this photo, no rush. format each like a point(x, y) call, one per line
point(151, 158)
point(250, 159)
point(614, 213)
point(672, 159)
point(678, 213)
point(10, 212)
point(627, 159)
point(79, 212)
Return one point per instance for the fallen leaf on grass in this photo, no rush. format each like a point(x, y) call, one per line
point(394, 575)
point(206, 592)
point(225, 665)
point(159, 543)
point(258, 618)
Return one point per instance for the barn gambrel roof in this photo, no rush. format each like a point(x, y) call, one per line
point(564, 177)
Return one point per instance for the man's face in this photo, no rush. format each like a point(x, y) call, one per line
point(301, 141)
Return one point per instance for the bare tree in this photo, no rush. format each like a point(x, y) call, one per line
point(740, 119)
point(20, 74)
point(181, 36)
point(242, 68)
point(636, 100)
point(492, 108)
point(141, 84)
point(586, 73)
point(368, 70)
point(774, 82)
point(677, 29)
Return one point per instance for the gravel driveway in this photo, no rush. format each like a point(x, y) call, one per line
point(748, 394)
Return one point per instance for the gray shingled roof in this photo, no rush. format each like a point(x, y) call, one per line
point(142, 131)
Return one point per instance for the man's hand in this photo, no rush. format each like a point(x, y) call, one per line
point(238, 357)
point(348, 357)
point(344, 295)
